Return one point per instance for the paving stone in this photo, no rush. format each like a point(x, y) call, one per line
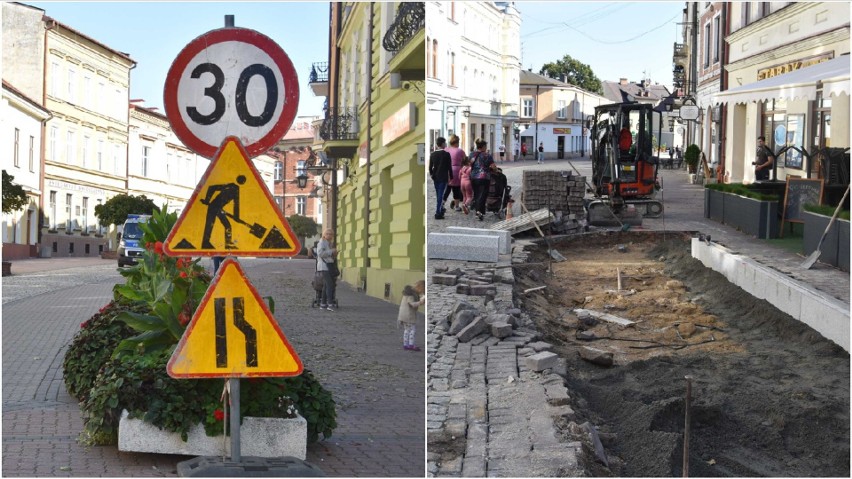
point(463, 247)
point(596, 356)
point(539, 346)
point(504, 243)
point(444, 279)
point(481, 289)
point(470, 331)
point(501, 330)
point(541, 361)
point(461, 320)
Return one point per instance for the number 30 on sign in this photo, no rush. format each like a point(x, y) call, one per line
point(231, 82)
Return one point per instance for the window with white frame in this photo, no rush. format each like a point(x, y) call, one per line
point(72, 85)
point(87, 92)
point(70, 147)
point(68, 200)
point(52, 218)
point(54, 79)
point(116, 159)
point(32, 154)
point(17, 146)
point(528, 109)
point(301, 205)
point(717, 37)
point(85, 214)
point(99, 98)
point(300, 168)
point(453, 69)
point(100, 157)
point(85, 159)
point(561, 110)
point(54, 150)
point(278, 172)
point(707, 45)
point(146, 152)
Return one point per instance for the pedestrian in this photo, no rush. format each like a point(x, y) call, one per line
point(480, 176)
point(502, 150)
point(412, 298)
point(466, 187)
point(678, 156)
point(327, 264)
point(524, 151)
point(441, 171)
point(764, 161)
point(515, 158)
point(454, 185)
point(541, 152)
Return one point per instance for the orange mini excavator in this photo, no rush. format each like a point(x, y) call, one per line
point(624, 166)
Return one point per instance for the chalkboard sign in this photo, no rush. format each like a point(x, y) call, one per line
point(799, 192)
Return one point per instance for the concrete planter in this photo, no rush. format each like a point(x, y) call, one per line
point(835, 248)
point(753, 217)
point(259, 436)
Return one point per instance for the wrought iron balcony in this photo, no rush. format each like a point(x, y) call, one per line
point(340, 124)
point(410, 19)
point(319, 72)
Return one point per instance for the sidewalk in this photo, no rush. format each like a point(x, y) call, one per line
point(356, 352)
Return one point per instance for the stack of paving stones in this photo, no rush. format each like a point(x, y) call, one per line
point(563, 195)
point(495, 391)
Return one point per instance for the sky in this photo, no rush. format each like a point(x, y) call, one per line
point(153, 33)
point(616, 39)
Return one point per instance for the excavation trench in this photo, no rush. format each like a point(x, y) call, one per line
point(770, 396)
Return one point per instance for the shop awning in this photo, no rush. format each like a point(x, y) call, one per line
point(798, 84)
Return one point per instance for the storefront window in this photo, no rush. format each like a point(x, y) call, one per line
point(795, 128)
point(774, 124)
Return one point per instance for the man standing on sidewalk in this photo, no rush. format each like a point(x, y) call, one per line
point(541, 153)
point(441, 171)
point(764, 161)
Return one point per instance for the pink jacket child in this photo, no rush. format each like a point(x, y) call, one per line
point(467, 188)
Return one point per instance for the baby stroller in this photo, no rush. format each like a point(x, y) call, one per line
point(317, 283)
point(498, 194)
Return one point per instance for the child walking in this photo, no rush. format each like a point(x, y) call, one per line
point(466, 186)
point(412, 298)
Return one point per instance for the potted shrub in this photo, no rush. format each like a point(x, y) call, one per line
point(737, 205)
point(690, 157)
point(835, 247)
point(117, 361)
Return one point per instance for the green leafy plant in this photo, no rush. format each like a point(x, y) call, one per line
point(92, 346)
point(170, 287)
point(742, 190)
point(116, 209)
point(690, 157)
point(14, 196)
point(827, 210)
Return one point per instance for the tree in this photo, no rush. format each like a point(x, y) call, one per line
point(574, 72)
point(14, 196)
point(690, 157)
point(116, 209)
point(302, 226)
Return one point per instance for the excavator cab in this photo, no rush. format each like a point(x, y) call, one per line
point(624, 166)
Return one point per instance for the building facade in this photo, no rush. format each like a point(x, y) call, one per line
point(85, 86)
point(21, 135)
point(712, 29)
point(292, 155)
point(473, 79)
point(787, 71)
point(553, 114)
point(160, 166)
point(372, 136)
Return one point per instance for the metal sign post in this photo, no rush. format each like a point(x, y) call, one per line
point(230, 95)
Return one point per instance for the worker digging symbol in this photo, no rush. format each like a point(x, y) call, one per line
point(228, 193)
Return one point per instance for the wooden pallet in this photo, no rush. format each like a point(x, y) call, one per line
point(524, 222)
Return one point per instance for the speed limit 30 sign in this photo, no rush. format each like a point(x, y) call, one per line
point(231, 82)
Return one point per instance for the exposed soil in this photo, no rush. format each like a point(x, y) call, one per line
point(770, 396)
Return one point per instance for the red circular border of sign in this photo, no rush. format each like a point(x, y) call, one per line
point(245, 35)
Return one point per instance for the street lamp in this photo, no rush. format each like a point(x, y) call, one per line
point(302, 180)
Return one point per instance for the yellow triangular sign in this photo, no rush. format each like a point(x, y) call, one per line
point(233, 334)
point(231, 213)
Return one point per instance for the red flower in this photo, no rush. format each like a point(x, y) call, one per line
point(183, 318)
point(183, 274)
point(158, 247)
point(219, 415)
point(83, 324)
point(180, 264)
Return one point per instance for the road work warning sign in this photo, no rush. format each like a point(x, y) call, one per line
point(231, 212)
